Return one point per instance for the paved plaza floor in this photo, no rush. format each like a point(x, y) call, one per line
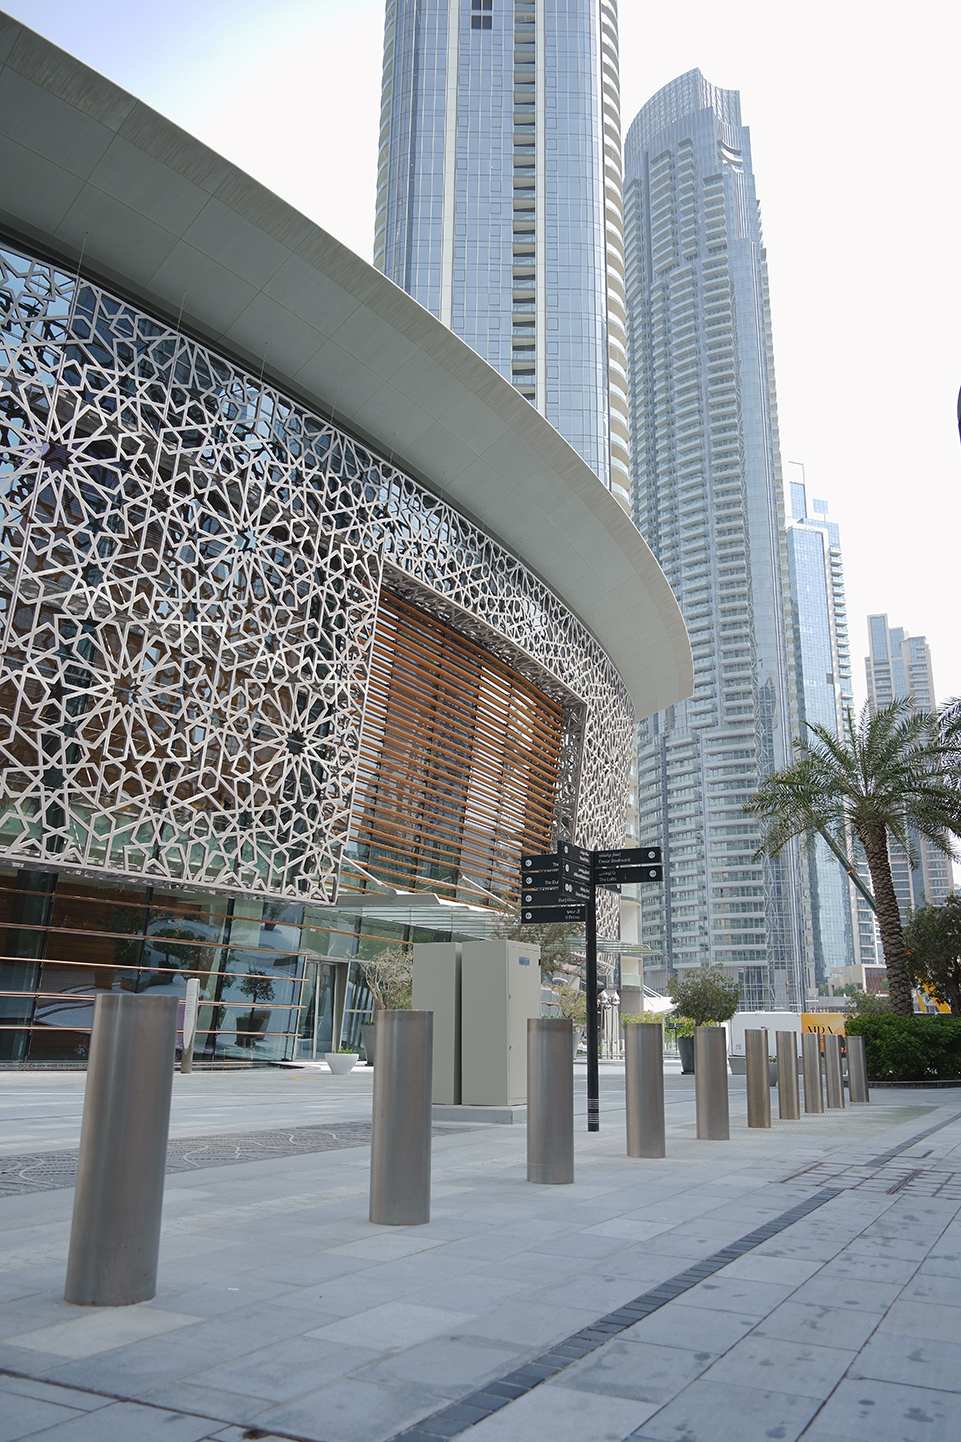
point(802, 1282)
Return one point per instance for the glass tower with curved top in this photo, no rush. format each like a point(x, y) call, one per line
point(708, 498)
point(499, 199)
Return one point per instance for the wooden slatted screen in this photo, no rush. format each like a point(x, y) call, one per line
point(459, 761)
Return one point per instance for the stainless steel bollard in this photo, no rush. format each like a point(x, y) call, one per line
point(115, 1234)
point(857, 1071)
point(644, 1088)
point(400, 1136)
point(758, 1078)
point(834, 1083)
point(811, 1066)
point(788, 1091)
point(710, 1084)
point(550, 1100)
point(190, 1026)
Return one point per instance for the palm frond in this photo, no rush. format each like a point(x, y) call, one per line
point(891, 771)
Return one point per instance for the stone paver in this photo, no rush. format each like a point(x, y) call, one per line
point(283, 1311)
point(872, 1411)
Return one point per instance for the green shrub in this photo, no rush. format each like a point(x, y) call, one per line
point(909, 1048)
point(705, 994)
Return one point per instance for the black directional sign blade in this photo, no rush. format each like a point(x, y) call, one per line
point(623, 875)
point(627, 856)
point(538, 915)
point(576, 871)
point(567, 851)
point(615, 858)
point(547, 896)
point(646, 873)
point(575, 880)
point(532, 864)
point(540, 880)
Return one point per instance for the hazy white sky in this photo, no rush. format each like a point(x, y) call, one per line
point(855, 130)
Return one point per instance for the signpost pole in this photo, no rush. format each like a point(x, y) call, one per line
point(593, 1088)
point(563, 887)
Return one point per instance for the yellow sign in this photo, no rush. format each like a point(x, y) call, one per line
point(825, 1023)
point(933, 999)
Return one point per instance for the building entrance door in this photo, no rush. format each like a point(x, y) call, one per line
point(317, 1011)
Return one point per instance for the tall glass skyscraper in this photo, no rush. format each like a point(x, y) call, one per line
point(499, 199)
point(822, 657)
point(899, 668)
point(708, 498)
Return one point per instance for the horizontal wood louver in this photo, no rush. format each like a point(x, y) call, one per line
point(459, 761)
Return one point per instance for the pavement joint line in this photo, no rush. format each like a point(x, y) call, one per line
point(517, 1383)
point(811, 1426)
point(912, 1142)
point(217, 1423)
point(498, 1393)
point(563, 1354)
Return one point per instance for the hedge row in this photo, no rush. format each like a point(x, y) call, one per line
point(909, 1048)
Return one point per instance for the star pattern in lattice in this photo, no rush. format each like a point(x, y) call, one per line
point(189, 578)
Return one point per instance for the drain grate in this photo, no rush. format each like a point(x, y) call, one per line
point(890, 1179)
point(52, 1171)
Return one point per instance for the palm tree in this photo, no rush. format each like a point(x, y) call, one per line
point(887, 775)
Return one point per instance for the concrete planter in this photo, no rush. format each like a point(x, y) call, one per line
point(685, 1050)
point(738, 1065)
point(341, 1062)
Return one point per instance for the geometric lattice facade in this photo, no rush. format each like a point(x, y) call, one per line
point(190, 576)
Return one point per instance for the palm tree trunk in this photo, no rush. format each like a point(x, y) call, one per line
point(889, 922)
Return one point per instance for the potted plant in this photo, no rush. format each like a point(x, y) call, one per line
point(390, 980)
point(703, 996)
point(573, 1006)
point(341, 1061)
point(252, 1025)
point(684, 1036)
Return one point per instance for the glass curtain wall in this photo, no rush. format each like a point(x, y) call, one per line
point(269, 971)
point(708, 498)
point(499, 204)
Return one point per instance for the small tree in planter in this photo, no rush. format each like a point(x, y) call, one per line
point(572, 1002)
point(258, 987)
point(704, 996)
point(390, 980)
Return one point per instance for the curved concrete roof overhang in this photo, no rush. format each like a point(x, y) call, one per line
point(87, 169)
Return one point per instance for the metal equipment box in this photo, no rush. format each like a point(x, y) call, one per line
point(500, 989)
point(437, 987)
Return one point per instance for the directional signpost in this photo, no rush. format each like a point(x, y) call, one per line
point(562, 886)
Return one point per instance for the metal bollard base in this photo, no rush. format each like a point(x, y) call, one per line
point(115, 1233)
point(644, 1088)
point(550, 1101)
point(401, 1131)
point(857, 1072)
point(811, 1062)
point(833, 1076)
point(788, 1091)
point(758, 1078)
point(710, 1084)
